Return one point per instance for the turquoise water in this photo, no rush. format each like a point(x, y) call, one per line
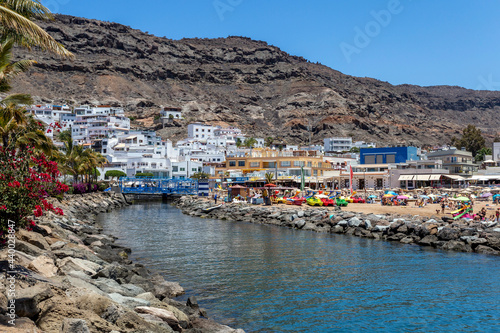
point(272, 279)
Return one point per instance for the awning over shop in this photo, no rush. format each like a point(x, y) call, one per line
point(434, 177)
point(422, 177)
point(455, 177)
point(406, 177)
point(485, 177)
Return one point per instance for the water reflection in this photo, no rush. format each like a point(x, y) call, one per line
point(271, 279)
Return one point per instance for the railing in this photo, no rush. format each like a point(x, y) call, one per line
point(147, 185)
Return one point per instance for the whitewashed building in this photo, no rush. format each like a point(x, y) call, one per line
point(138, 151)
point(98, 123)
point(496, 152)
point(337, 144)
point(171, 113)
point(201, 131)
point(51, 114)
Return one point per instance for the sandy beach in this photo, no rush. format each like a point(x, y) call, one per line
point(428, 211)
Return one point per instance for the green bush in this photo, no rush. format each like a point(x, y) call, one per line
point(144, 174)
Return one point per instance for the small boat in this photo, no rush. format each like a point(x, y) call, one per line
point(313, 201)
point(209, 209)
point(341, 202)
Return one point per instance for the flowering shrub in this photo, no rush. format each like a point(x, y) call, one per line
point(81, 188)
point(26, 181)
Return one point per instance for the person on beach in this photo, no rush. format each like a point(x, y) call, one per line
point(215, 198)
point(442, 206)
point(482, 213)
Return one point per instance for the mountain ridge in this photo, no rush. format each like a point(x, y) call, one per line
point(246, 83)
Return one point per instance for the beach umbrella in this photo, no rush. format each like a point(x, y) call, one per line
point(463, 199)
point(423, 196)
point(486, 195)
point(269, 185)
point(391, 192)
point(496, 196)
point(401, 197)
point(388, 195)
point(375, 197)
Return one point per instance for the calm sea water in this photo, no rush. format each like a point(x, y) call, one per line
point(271, 279)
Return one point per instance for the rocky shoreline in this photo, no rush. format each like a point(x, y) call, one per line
point(70, 277)
point(455, 235)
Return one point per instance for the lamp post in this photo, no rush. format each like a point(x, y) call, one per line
point(364, 180)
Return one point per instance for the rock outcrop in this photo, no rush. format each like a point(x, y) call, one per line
point(70, 277)
point(246, 83)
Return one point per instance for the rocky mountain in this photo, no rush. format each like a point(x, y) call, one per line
point(246, 83)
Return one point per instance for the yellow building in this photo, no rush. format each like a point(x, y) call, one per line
point(270, 160)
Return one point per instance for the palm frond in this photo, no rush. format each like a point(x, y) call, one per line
point(17, 99)
point(31, 9)
point(32, 32)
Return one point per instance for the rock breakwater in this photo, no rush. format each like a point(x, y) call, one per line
point(67, 276)
point(454, 235)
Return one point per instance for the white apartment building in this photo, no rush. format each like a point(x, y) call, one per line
point(337, 144)
point(201, 131)
point(496, 151)
point(362, 144)
point(50, 114)
point(221, 142)
point(139, 151)
point(185, 168)
point(229, 132)
point(98, 123)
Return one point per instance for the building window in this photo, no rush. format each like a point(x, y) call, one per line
point(298, 163)
point(391, 158)
point(380, 159)
point(286, 163)
point(232, 163)
point(175, 168)
point(309, 164)
point(241, 163)
point(370, 159)
point(194, 169)
point(254, 164)
point(182, 169)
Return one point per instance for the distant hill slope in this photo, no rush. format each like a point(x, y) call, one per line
point(245, 83)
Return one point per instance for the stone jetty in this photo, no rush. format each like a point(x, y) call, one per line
point(453, 235)
point(70, 277)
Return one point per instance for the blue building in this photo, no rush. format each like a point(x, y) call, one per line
point(388, 155)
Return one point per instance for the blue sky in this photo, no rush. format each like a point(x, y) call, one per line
point(424, 42)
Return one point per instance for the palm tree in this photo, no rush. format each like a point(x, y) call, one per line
point(238, 142)
point(16, 23)
point(250, 142)
point(269, 177)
